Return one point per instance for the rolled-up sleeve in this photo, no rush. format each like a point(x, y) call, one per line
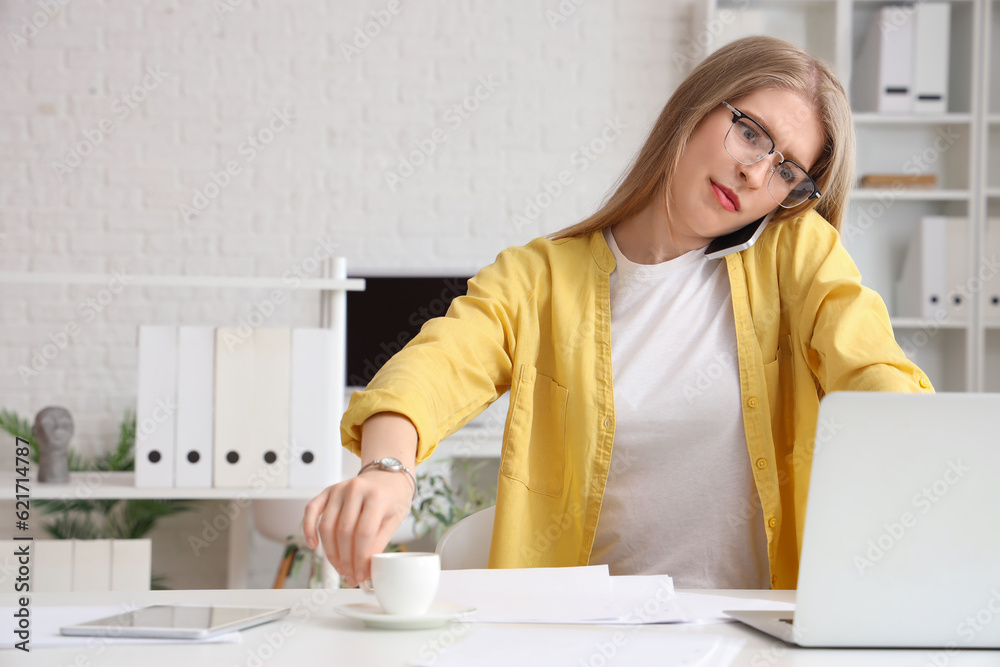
point(845, 326)
point(455, 367)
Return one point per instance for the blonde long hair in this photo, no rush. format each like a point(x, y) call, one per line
point(735, 70)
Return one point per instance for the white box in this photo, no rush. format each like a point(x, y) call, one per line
point(53, 566)
point(131, 565)
point(91, 565)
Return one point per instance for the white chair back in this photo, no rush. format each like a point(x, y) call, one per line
point(466, 545)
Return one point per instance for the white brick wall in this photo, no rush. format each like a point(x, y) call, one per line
point(162, 95)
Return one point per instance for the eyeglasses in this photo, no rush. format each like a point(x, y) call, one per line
point(749, 143)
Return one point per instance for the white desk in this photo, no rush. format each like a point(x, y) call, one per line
point(317, 635)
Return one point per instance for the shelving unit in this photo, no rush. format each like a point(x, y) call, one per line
point(93, 485)
point(957, 355)
point(991, 175)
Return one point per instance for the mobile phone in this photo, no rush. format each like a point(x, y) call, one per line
point(175, 622)
point(741, 239)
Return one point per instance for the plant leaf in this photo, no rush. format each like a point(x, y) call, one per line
point(65, 506)
point(68, 527)
point(19, 427)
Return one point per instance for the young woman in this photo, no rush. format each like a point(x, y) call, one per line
point(663, 404)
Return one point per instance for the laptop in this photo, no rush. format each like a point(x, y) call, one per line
point(901, 546)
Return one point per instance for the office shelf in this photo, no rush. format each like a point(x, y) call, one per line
point(921, 323)
point(961, 147)
point(867, 194)
point(98, 485)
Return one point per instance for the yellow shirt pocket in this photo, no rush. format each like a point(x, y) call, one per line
point(534, 445)
point(778, 375)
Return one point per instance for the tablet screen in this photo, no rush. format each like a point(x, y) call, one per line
point(176, 621)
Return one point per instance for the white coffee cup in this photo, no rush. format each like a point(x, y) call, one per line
point(405, 583)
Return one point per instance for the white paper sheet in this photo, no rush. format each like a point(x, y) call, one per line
point(46, 621)
point(531, 595)
point(702, 608)
point(499, 646)
point(642, 599)
point(646, 599)
point(573, 595)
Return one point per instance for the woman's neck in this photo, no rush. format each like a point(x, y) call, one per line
point(646, 237)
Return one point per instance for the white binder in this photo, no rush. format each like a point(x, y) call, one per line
point(195, 406)
point(932, 33)
point(922, 289)
point(91, 565)
point(317, 400)
point(53, 566)
point(252, 372)
point(991, 304)
point(269, 449)
point(884, 72)
point(234, 406)
point(156, 406)
point(958, 271)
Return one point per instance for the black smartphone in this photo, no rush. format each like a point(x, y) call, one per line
point(741, 239)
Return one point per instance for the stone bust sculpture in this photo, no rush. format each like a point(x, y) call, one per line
point(53, 429)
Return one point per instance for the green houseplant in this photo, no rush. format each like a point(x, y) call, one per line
point(444, 503)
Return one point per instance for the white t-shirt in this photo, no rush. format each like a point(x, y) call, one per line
point(680, 497)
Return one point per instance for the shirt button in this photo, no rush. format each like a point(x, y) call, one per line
point(761, 463)
point(772, 522)
point(752, 402)
point(925, 383)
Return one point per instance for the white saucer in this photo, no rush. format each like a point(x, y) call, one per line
point(373, 616)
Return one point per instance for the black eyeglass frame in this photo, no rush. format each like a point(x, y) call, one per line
point(737, 115)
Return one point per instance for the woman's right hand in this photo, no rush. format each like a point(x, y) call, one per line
point(356, 518)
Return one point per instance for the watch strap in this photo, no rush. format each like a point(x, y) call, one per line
point(378, 463)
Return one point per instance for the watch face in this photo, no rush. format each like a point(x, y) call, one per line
point(390, 463)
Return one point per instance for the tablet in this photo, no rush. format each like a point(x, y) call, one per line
point(175, 622)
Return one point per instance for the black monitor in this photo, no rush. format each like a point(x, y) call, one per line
point(390, 312)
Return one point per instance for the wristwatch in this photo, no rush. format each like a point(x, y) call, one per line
point(391, 464)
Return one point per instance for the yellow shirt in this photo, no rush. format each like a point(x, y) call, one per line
point(538, 322)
